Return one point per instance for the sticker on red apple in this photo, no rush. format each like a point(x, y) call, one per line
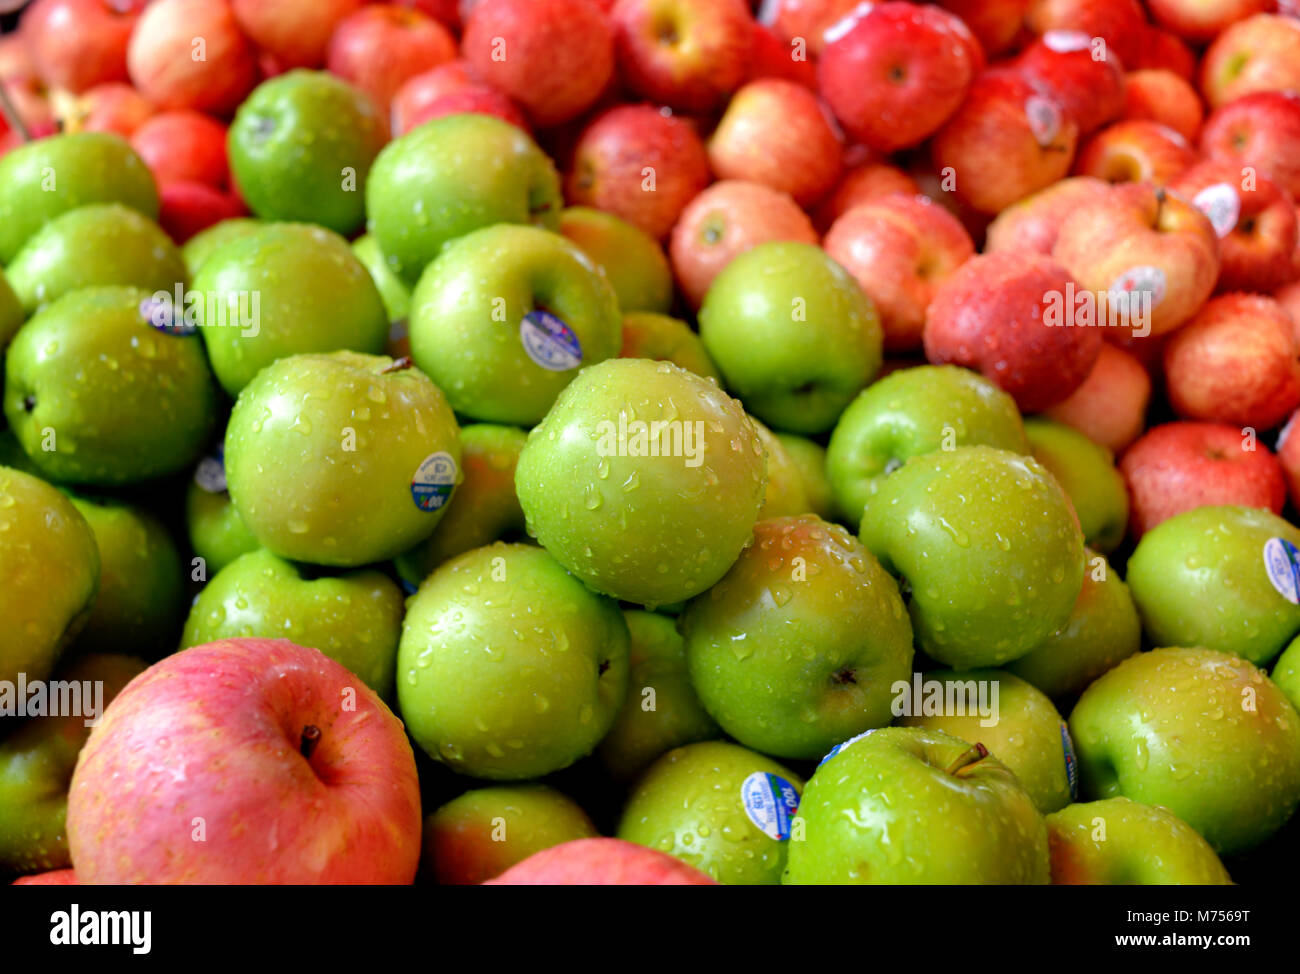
point(434, 481)
point(1139, 280)
point(1282, 562)
point(1044, 117)
point(770, 802)
point(550, 342)
point(1222, 205)
point(1065, 41)
point(210, 474)
point(1071, 762)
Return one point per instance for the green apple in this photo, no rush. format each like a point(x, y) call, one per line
point(509, 667)
point(284, 289)
point(1020, 728)
point(12, 455)
point(1201, 732)
point(217, 533)
point(1201, 578)
point(36, 763)
point(103, 244)
point(798, 646)
point(632, 260)
point(909, 413)
point(792, 333)
point(644, 480)
point(482, 833)
point(341, 459)
point(301, 146)
point(505, 317)
point(1086, 472)
point(987, 548)
point(1119, 842)
point(485, 508)
point(395, 292)
point(909, 805)
point(46, 178)
point(141, 601)
point(354, 618)
point(784, 495)
point(661, 711)
point(1286, 673)
point(719, 807)
point(647, 334)
point(196, 251)
point(1102, 630)
point(809, 459)
point(97, 395)
point(11, 312)
point(49, 572)
point(453, 175)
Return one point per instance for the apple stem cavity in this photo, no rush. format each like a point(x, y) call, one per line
point(310, 738)
point(968, 757)
point(398, 365)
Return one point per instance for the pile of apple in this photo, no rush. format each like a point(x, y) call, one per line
point(585, 441)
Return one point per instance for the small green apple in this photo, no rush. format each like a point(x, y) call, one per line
point(987, 547)
point(908, 805)
point(354, 618)
point(284, 289)
point(632, 260)
point(196, 251)
point(909, 413)
point(799, 644)
point(1201, 732)
point(341, 459)
point(453, 175)
point(395, 292)
point(46, 178)
point(11, 312)
point(97, 395)
point(644, 480)
point(784, 495)
point(1086, 472)
point(301, 146)
point(1286, 673)
point(809, 459)
point(217, 533)
point(1205, 578)
point(1119, 842)
point(505, 317)
point(661, 711)
point(719, 807)
point(647, 334)
point(509, 667)
point(792, 333)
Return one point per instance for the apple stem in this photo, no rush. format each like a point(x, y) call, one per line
point(310, 738)
point(976, 752)
point(398, 365)
point(12, 117)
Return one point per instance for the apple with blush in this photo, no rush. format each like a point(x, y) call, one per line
point(472, 98)
point(1067, 65)
point(773, 57)
point(78, 44)
point(160, 64)
point(601, 862)
point(1260, 130)
point(55, 877)
point(382, 45)
point(1198, 20)
point(860, 183)
point(1162, 96)
point(1032, 224)
point(184, 146)
point(998, 25)
point(294, 34)
point(805, 20)
point(634, 264)
point(1288, 455)
point(1120, 23)
point(1259, 53)
point(665, 339)
point(1086, 472)
point(1110, 406)
point(187, 208)
point(1135, 151)
point(113, 106)
point(1159, 50)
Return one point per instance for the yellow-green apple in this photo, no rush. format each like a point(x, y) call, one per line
point(1149, 257)
point(296, 36)
point(1218, 577)
point(725, 220)
point(482, 833)
point(509, 667)
point(1120, 23)
point(1260, 53)
point(639, 163)
point(1102, 630)
point(809, 459)
point(863, 182)
point(634, 263)
point(506, 316)
point(1135, 151)
point(12, 315)
point(601, 862)
point(163, 63)
point(1083, 76)
point(1180, 466)
point(1032, 224)
point(246, 761)
point(792, 333)
point(393, 291)
point(644, 480)
point(986, 582)
point(1163, 97)
point(553, 57)
point(784, 495)
point(77, 44)
point(1110, 406)
point(216, 532)
point(1286, 673)
point(719, 807)
point(911, 412)
point(1203, 733)
point(1261, 130)
point(900, 249)
point(796, 648)
point(665, 339)
point(959, 811)
point(1120, 842)
point(1086, 472)
point(687, 54)
point(204, 244)
point(379, 47)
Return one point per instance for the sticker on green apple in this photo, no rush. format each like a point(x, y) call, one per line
point(770, 802)
point(843, 744)
point(433, 482)
point(549, 342)
point(210, 474)
point(1071, 762)
point(1282, 562)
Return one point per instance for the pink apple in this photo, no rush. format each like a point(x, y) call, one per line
point(381, 46)
point(1201, 20)
point(246, 761)
point(1120, 23)
point(1159, 50)
point(861, 183)
point(1161, 96)
point(164, 60)
point(998, 24)
point(111, 107)
point(1110, 406)
point(601, 862)
point(184, 146)
point(294, 33)
point(55, 877)
point(1181, 466)
point(1033, 224)
point(900, 249)
point(1261, 130)
point(1084, 78)
point(77, 44)
point(1260, 53)
point(1135, 151)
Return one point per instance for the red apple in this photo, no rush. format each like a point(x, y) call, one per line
point(1008, 139)
point(1181, 466)
point(185, 208)
point(940, 186)
point(483, 101)
point(55, 877)
point(246, 761)
point(1120, 23)
point(894, 72)
point(1255, 221)
point(601, 862)
point(111, 107)
point(773, 57)
point(1288, 457)
point(900, 249)
point(1082, 75)
point(77, 44)
point(1140, 240)
point(686, 54)
point(804, 21)
point(191, 54)
point(1010, 316)
point(1164, 97)
point(1260, 53)
point(1159, 50)
point(1110, 406)
point(1201, 20)
point(1135, 151)
point(1261, 130)
point(640, 163)
point(997, 24)
point(295, 33)
point(778, 133)
point(381, 46)
point(724, 221)
point(1033, 224)
point(16, 58)
point(861, 183)
point(184, 146)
